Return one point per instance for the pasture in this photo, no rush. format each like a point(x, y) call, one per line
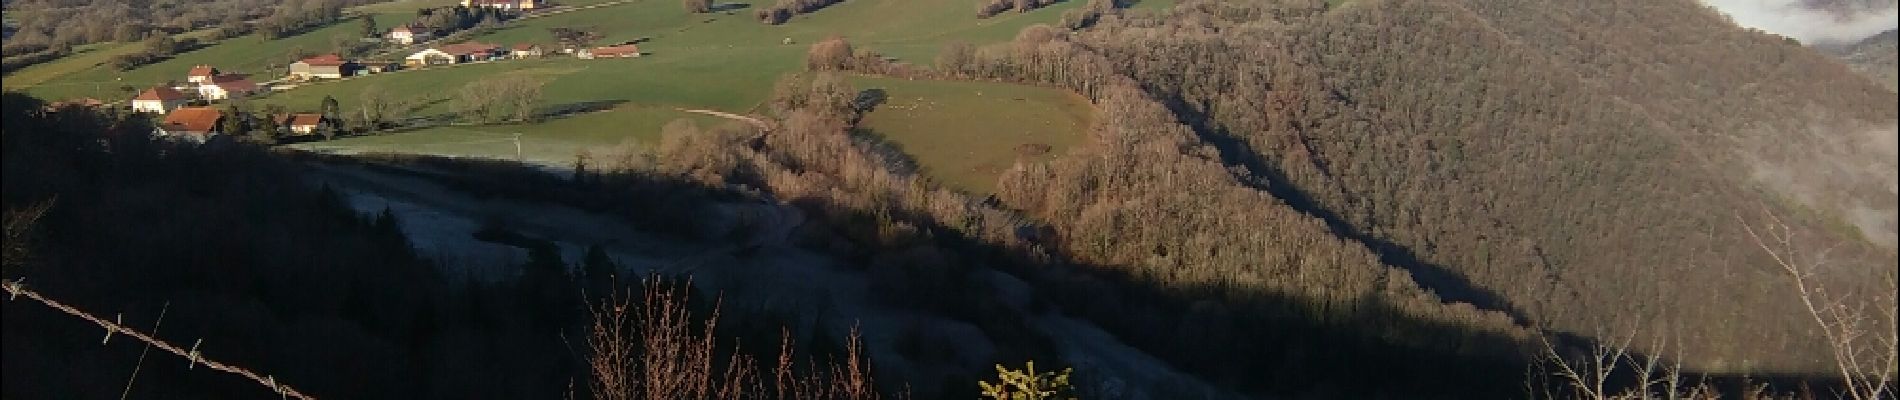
point(552, 142)
point(965, 134)
point(250, 54)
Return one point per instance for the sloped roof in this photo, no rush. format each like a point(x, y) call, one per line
point(233, 83)
point(192, 119)
point(300, 119)
point(526, 46)
point(160, 93)
point(202, 70)
point(616, 50)
point(326, 60)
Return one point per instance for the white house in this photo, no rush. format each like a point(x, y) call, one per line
point(200, 74)
point(409, 35)
point(224, 86)
point(158, 100)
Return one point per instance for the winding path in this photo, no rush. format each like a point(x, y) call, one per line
point(735, 117)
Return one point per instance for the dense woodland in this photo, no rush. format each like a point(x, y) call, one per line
point(1524, 188)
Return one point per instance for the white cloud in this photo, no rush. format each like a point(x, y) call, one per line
point(1808, 25)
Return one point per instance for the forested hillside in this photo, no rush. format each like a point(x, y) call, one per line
point(1276, 198)
point(1589, 167)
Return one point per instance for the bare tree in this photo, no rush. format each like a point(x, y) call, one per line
point(1859, 330)
point(651, 350)
point(1590, 373)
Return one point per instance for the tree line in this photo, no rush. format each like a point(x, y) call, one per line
point(783, 10)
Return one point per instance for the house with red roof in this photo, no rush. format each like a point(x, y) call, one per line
point(195, 124)
point(159, 100)
point(526, 50)
point(200, 74)
point(327, 66)
point(299, 123)
point(222, 87)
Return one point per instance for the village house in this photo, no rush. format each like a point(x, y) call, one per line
point(193, 124)
point(510, 5)
point(621, 51)
point(409, 35)
point(159, 100)
point(453, 54)
point(222, 87)
point(299, 124)
point(327, 66)
point(200, 74)
point(526, 50)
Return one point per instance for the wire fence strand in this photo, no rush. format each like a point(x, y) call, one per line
point(15, 290)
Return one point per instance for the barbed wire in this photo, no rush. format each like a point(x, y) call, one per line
point(15, 289)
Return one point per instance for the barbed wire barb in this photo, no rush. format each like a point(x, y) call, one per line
point(15, 288)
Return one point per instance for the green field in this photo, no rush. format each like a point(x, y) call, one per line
point(250, 54)
point(965, 134)
point(721, 61)
point(84, 57)
point(554, 142)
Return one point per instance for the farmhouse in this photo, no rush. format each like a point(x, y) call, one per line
point(453, 54)
point(409, 35)
point(193, 124)
point(222, 87)
point(621, 51)
point(328, 66)
point(158, 100)
point(300, 123)
point(526, 50)
point(512, 5)
point(200, 74)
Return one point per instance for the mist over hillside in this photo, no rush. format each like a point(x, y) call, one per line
point(1814, 21)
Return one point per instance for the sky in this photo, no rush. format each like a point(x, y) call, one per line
point(1810, 26)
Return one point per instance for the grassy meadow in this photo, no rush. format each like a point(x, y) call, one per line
point(965, 134)
point(724, 61)
point(249, 54)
